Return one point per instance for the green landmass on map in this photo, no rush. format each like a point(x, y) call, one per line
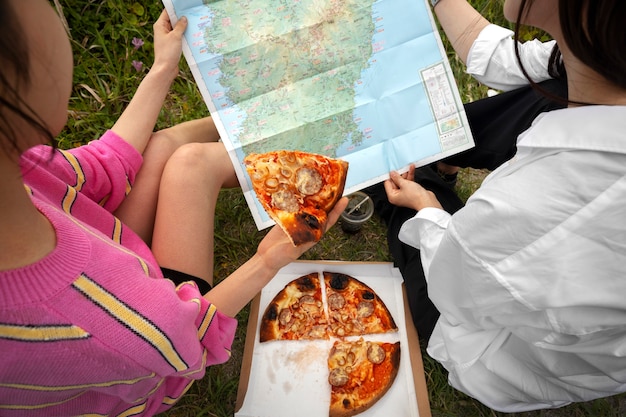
point(291, 67)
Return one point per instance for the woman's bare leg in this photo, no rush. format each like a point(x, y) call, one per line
point(190, 185)
point(139, 208)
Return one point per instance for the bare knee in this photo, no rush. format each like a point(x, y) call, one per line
point(204, 162)
point(193, 131)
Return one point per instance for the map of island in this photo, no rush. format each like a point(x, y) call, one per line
point(363, 80)
point(301, 65)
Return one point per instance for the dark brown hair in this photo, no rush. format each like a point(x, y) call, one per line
point(594, 31)
point(15, 66)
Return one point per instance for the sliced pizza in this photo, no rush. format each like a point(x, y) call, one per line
point(296, 312)
point(297, 189)
point(360, 373)
point(354, 308)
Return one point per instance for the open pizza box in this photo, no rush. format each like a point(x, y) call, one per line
point(290, 378)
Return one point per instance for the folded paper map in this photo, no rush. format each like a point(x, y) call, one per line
point(362, 80)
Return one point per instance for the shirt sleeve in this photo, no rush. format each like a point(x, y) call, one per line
point(216, 331)
point(492, 61)
point(425, 232)
point(103, 170)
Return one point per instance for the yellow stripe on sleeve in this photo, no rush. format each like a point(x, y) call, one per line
point(131, 319)
point(206, 321)
point(47, 333)
point(47, 388)
point(117, 231)
point(80, 174)
point(37, 406)
point(68, 199)
point(129, 186)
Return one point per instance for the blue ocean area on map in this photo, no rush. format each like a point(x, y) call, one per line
point(404, 45)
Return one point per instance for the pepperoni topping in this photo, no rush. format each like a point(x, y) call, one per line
point(365, 308)
point(336, 301)
point(285, 316)
point(375, 353)
point(338, 377)
point(308, 181)
point(285, 200)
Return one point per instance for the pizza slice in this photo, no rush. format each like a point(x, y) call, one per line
point(297, 189)
point(360, 373)
point(354, 308)
point(296, 312)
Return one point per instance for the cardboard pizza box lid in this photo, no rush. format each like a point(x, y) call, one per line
point(282, 375)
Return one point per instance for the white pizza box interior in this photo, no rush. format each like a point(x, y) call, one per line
point(288, 378)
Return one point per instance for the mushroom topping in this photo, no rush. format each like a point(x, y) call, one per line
point(318, 331)
point(271, 183)
point(287, 158)
point(285, 316)
point(308, 304)
point(260, 173)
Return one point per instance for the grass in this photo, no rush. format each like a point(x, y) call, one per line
point(105, 79)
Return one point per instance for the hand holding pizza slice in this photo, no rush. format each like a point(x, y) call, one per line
point(297, 190)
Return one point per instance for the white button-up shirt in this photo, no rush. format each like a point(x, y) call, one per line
point(491, 59)
point(530, 276)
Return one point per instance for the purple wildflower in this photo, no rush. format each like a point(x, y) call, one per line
point(138, 65)
point(137, 43)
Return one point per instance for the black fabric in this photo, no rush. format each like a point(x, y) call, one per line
point(179, 277)
point(406, 257)
point(496, 122)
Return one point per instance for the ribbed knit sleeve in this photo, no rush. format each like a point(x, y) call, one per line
point(103, 171)
point(109, 166)
point(216, 331)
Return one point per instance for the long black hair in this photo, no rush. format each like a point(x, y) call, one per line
point(14, 76)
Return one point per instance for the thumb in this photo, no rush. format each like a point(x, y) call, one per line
point(181, 25)
point(396, 178)
point(333, 216)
